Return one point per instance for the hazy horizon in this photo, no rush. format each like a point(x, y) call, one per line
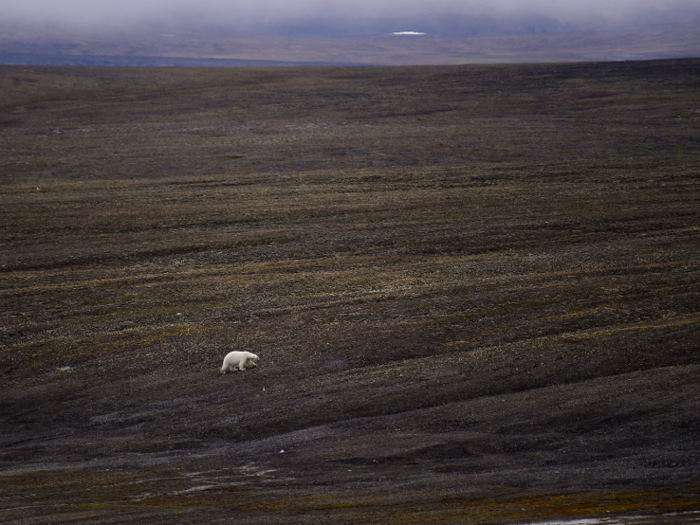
point(377, 15)
point(334, 32)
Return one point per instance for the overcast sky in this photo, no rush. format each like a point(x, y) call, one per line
point(235, 11)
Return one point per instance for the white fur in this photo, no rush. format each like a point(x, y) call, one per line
point(239, 361)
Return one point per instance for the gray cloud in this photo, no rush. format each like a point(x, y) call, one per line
point(279, 13)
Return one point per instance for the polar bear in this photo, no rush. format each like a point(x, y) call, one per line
point(239, 361)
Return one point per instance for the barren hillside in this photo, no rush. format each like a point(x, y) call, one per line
point(474, 292)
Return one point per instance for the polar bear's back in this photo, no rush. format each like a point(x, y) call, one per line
point(238, 359)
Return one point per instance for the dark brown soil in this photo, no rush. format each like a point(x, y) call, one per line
point(474, 291)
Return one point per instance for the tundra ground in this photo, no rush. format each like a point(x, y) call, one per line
point(474, 291)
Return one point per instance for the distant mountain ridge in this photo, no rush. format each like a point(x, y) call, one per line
point(457, 40)
point(434, 24)
point(60, 59)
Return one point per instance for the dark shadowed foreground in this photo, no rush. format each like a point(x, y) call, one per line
point(474, 291)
